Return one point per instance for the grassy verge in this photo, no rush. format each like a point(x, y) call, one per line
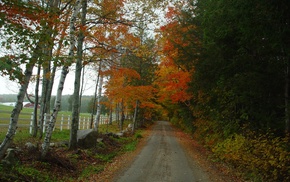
point(63, 164)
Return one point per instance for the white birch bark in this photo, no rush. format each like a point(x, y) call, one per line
point(98, 114)
point(77, 83)
point(43, 101)
point(16, 111)
point(46, 142)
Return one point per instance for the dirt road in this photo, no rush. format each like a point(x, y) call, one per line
point(163, 160)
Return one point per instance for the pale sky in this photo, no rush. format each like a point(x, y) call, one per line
point(9, 87)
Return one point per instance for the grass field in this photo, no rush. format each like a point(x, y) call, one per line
point(25, 117)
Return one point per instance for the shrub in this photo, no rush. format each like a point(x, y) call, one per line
point(263, 155)
point(269, 155)
point(231, 148)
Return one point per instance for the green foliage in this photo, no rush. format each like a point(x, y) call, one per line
point(231, 148)
point(181, 116)
point(93, 169)
point(10, 67)
point(60, 135)
point(241, 69)
point(106, 157)
point(33, 174)
point(138, 136)
point(131, 146)
point(29, 173)
point(131, 143)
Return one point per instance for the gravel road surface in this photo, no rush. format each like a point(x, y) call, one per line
point(163, 160)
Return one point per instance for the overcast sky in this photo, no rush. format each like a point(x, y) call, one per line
point(9, 87)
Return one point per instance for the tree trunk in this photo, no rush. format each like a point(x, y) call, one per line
point(117, 113)
point(95, 98)
point(82, 86)
point(49, 89)
point(77, 83)
point(58, 52)
point(286, 94)
point(45, 145)
point(111, 114)
point(122, 115)
point(135, 117)
point(43, 100)
point(57, 104)
point(34, 124)
point(16, 111)
point(47, 49)
point(53, 116)
point(98, 114)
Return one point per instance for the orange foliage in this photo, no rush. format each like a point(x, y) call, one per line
point(173, 79)
point(119, 86)
point(173, 82)
point(24, 15)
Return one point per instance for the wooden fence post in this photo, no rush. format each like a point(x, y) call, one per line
point(61, 122)
point(88, 122)
point(84, 122)
point(31, 123)
point(68, 122)
point(80, 119)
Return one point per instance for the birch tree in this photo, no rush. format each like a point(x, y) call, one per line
point(34, 123)
point(33, 44)
point(98, 114)
point(77, 83)
point(16, 111)
point(64, 72)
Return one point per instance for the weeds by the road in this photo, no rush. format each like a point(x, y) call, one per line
point(62, 164)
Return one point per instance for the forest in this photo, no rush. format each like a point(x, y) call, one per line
point(217, 69)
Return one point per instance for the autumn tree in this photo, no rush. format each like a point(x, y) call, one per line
point(19, 17)
point(179, 46)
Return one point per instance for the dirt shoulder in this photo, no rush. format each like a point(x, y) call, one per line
point(121, 162)
point(217, 171)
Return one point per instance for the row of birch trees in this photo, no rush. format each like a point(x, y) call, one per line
point(39, 37)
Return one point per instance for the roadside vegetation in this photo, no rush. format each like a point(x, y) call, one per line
point(232, 58)
point(61, 163)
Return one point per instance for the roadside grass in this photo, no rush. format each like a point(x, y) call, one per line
point(25, 117)
point(106, 157)
point(91, 169)
point(75, 165)
point(58, 135)
point(131, 146)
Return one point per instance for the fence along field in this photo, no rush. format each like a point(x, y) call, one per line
point(63, 120)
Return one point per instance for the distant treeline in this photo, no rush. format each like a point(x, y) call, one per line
point(66, 102)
